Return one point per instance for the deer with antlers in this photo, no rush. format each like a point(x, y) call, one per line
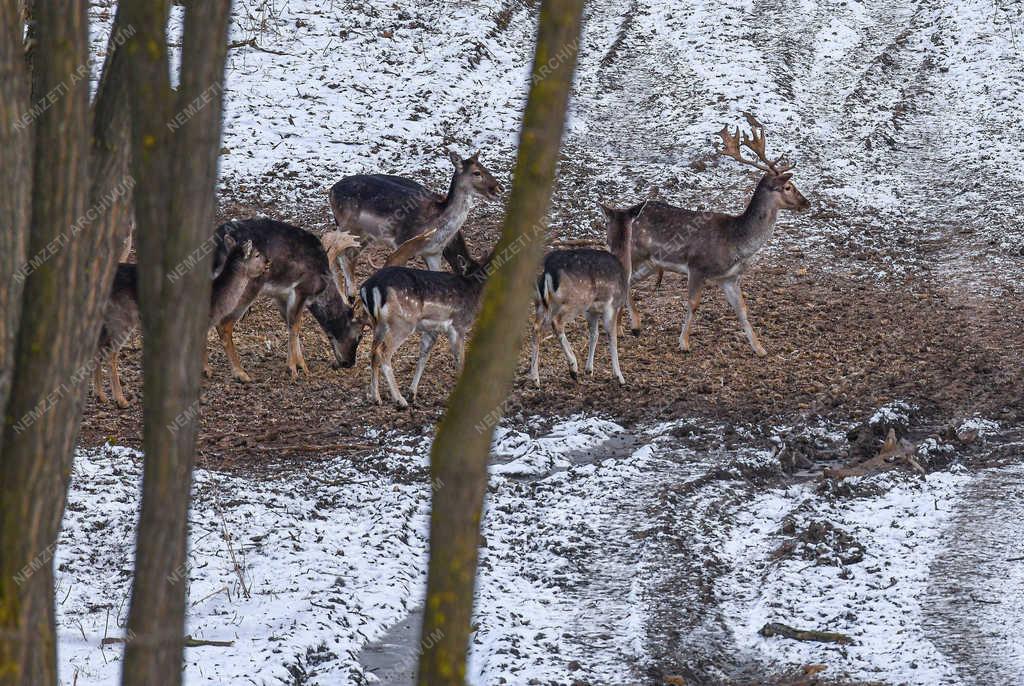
point(711, 247)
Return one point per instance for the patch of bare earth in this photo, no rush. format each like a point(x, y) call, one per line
point(838, 347)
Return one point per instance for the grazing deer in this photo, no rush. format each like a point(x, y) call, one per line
point(574, 282)
point(712, 247)
point(399, 212)
point(233, 267)
point(400, 301)
point(231, 278)
point(299, 276)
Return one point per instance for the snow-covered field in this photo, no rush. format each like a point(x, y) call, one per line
point(585, 528)
point(904, 118)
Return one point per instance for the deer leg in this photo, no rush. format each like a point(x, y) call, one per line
point(115, 381)
point(558, 326)
point(735, 297)
point(377, 354)
point(643, 271)
point(611, 315)
point(292, 310)
point(226, 331)
point(97, 379)
point(392, 344)
point(694, 287)
point(592, 320)
point(433, 262)
point(426, 345)
point(539, 322)
point(458, 345)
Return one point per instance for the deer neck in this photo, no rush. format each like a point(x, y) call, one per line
point(752, 229)
point(455, 208)
point(227, 289)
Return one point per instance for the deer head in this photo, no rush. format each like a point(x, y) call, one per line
point(778, 178)
point(473, 173)
point(619, 233)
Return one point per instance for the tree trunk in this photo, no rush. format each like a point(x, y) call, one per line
point(16, 180)
point(51, 298)
point(176, 140)
point(462, 446)
point(41, 418)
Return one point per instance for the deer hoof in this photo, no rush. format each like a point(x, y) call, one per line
point(574, 374)
point(622, 382)
point(242, 377)
point(402, 404)
point(207, 372)
point(760, 351)
point(122, 402)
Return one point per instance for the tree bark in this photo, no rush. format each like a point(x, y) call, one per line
point(176, 140)
point(60, 286)
point(16, 180)
point(462, 446)
point(41, 417)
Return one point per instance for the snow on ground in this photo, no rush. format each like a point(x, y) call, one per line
point(877, 601)
point(592, 536)
point(296, 572)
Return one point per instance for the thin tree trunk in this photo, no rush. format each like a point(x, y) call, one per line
point(176, 139)
point(40, 422)
point(459, 457)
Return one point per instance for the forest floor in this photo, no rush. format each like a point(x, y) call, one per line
point(640, 534)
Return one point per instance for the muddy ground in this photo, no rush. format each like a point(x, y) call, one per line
point(839, 346)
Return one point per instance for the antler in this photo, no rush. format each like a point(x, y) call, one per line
point(755, 143)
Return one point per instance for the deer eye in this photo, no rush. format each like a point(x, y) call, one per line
point(789, 186)
point(476, 173)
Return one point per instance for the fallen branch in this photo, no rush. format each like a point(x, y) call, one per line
point(189, 642)
point(785, 631)
point(251, 43)
point(197, 642)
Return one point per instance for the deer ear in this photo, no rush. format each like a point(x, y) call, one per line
point(476, 156)
point(456, 160)
point(463, 264)
point(607, 211)
point(783, 179)
point(229, 242)
point(247, 250)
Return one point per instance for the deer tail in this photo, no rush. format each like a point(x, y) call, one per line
point(548, 289)
point(372, 301)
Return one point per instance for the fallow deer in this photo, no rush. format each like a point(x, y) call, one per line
point(231, 280)
point(574, 282)
point(233, 267)
point(400, 301)
point(300, 277)
point(713, 247)
point(401, 213)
